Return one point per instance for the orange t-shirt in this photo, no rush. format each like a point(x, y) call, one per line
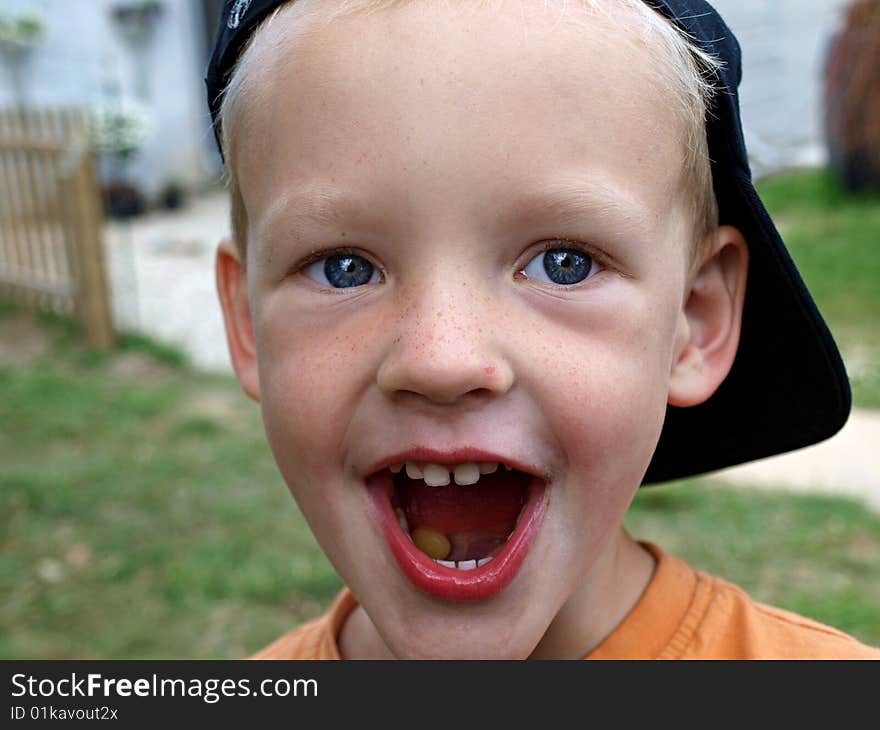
point(683, 614)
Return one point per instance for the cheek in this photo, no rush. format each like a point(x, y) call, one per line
point(610, 425)
point(606, 394)
point(609, 430)
point(312, 374)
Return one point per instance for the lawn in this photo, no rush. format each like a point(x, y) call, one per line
point(141, 516)
point(141, 512)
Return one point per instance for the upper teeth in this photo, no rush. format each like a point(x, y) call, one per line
point(437, 475)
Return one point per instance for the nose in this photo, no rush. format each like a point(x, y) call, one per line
point(448, 349)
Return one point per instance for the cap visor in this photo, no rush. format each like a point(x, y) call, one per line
point(787, 388)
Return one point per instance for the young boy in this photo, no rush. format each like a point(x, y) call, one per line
point(484, 283)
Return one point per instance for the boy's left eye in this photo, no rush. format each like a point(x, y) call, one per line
point(342, 271)
point(561, 266)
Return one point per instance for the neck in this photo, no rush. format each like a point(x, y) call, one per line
point(359, 639)
point(607, 594)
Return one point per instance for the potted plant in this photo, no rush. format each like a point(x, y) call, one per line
point(172, 195)
point(137, 19)
point(122, 199)
point(20, 34)
point(119, 130)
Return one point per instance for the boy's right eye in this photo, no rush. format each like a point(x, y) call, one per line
point(342, 271)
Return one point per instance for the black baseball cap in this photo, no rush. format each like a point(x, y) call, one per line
point(788, 387)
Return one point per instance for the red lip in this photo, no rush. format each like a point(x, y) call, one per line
point(451, 584)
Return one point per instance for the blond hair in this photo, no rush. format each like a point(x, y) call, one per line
point(683, 68)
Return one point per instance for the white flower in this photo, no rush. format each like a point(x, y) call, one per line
point(26, 29)
point(120, 127)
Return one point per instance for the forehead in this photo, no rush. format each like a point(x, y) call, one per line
point(425, 95)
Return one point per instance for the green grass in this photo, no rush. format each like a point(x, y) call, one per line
point(835, 240)
point(142, 516)
point(813, 554)
point(130, 342)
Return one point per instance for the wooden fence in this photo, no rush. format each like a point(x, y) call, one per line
point(51, 220)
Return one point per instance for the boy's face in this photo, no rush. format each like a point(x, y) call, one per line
point(448, 146)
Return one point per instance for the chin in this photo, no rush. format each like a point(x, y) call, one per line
point(499, 629)
point(459, 647)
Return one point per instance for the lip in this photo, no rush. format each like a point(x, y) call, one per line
point(451, 584)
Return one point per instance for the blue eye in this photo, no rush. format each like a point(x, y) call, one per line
point(563, 266)
point(342, 271)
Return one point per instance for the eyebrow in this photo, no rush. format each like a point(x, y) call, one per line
point(318, 206)
point(564, 201)
point(569, 201)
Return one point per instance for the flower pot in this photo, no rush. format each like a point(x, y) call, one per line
point(122, 201)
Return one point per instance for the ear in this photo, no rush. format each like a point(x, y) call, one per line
point(232, 289)
point(709, 323)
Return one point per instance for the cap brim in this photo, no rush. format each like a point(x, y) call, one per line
point(787, 388)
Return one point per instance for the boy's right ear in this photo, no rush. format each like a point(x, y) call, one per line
point(232, 289)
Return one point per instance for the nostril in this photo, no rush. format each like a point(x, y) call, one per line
point(444, 376)
point(474, 397)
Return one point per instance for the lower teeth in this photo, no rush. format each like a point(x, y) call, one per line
point(463, 564)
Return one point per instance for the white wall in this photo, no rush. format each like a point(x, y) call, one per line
point(83, 60)
point(783, 44)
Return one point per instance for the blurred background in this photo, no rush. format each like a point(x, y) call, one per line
point(142, 515)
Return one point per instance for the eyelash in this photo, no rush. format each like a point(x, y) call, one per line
point(552, 244)
point(301, 266)
point(548, 244)
point(323, 254)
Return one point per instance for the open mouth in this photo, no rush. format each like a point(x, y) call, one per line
point(458, 531)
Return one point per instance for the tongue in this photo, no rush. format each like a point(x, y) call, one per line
point(482, 514)
point(474, 545)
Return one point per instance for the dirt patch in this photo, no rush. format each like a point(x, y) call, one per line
point(227, 406)
point(861, 360)
point(138, 367)
point(22, 340)
point(863, 547)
